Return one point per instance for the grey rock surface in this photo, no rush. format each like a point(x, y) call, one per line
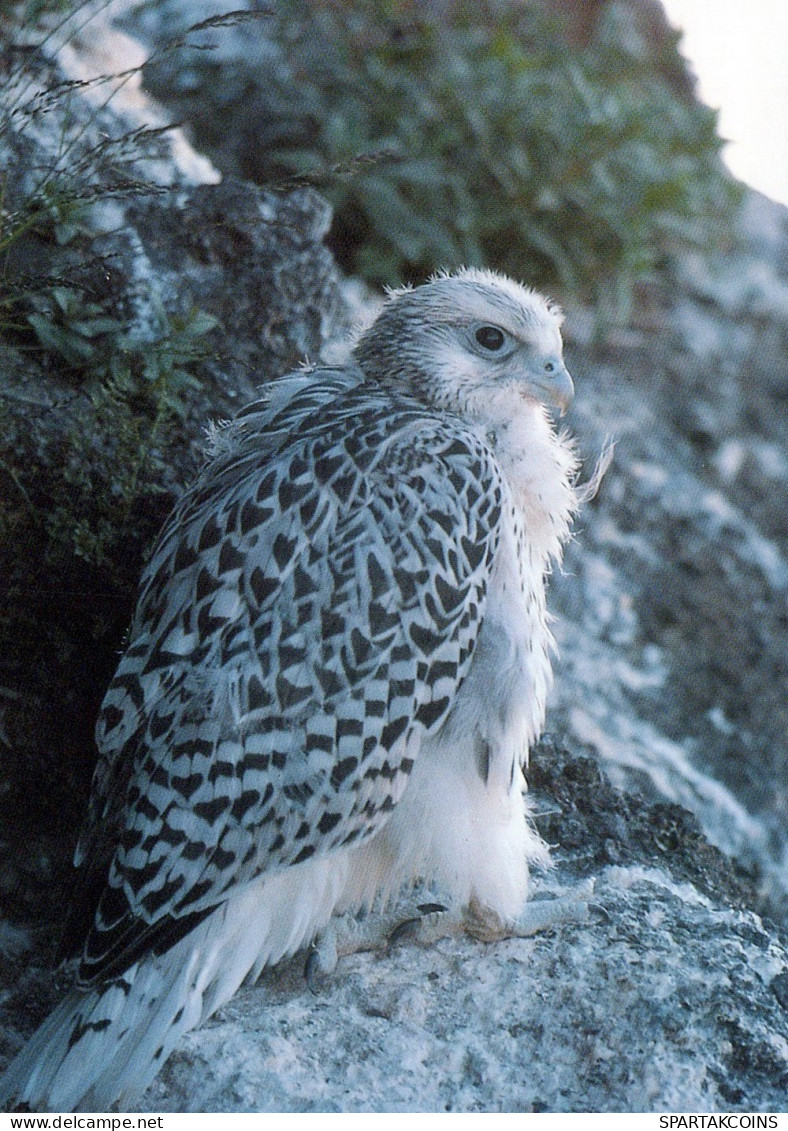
point(674, 599)
point(669, 1005)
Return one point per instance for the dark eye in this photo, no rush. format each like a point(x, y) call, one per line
point(549, 367)
point(490, 337)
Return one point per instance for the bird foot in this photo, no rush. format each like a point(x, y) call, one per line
point(542, 915)
point(351, 934)
point(348, 934)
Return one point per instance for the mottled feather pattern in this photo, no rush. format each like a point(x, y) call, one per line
point(259, 743)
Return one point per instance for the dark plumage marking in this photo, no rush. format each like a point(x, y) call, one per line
point(130, 684)
point(401, 688)
point(83, 1027)
point(252, 516)
point(430, 713)
point(263, 588)
point(450, 597)
point(222, 858)
point(243, 804)
point(481, 750)
point(185, 558)
point(195, 893)
point(349, 728)
point(145, 806)
point(474, 551)
point(361, 646)
point(291, 493)
point(207, 584)
point(342, 771)
point(304, 583)
point(218, 770)
point(455, 448)
point(330, 682)
point(210, 535)
point(291, 655)
point(344, 485)
point(257, 697)
point(308, 510)
point(443, 669)
point(445, 521)
point(256, 763)
point(326, 467)
point(322, 742)
point(186, 786)
point(155, 900)
point(230, 558)
point(111, 717)
point(425, 640)
point(300, 792)
point(393, 731)
point(406, 583)
point(265, 490)
point(381, 621)
point(167, 834)
point(207, 626)
point(160, 724)
point(283, 550)
point(210, 811)
point(328, 822)
point(377, 577)
point(290, 694)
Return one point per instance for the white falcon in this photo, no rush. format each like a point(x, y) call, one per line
point(339, 659)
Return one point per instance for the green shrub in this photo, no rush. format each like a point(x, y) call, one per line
point(578, 167)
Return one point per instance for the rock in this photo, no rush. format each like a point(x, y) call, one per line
point(672, 604)
point(643, 1011)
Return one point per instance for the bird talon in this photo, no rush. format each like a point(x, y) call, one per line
point(314, 972)
point(407, 929)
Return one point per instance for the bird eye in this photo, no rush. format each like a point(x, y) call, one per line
point(490, 337)
point(549, 367)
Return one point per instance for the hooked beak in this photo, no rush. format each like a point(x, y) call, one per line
point(553, 390)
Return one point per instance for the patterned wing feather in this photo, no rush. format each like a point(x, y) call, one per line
point(309, 614)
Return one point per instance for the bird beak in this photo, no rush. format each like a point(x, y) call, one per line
point(554, 390)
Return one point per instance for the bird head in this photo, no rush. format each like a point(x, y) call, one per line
point(473, 342)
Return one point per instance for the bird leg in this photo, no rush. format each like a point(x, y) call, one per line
point(349, 934)
point(541, 915)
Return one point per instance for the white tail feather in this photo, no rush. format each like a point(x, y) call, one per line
point(106, 1044)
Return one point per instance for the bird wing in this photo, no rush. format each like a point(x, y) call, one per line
point(306, 618)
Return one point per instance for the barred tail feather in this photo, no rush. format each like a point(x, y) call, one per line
point(101, 1043)
point(105, 1045)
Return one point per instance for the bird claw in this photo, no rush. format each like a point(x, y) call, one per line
point(410, 929)
point(321, 961)
point(348, 935)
